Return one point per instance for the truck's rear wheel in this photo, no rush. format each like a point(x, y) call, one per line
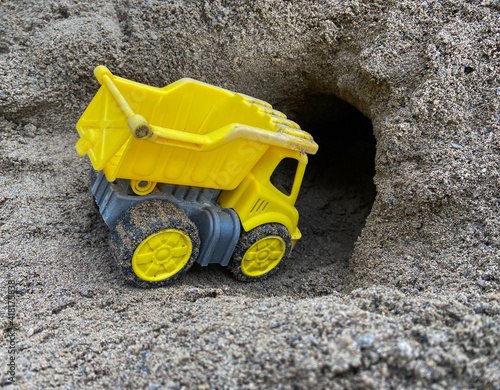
point(259, 252)
point(154, 243)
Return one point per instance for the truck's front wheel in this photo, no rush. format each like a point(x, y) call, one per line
point(259, 252)
point(154, 243)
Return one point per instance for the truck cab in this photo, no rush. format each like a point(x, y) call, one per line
point(269, 192)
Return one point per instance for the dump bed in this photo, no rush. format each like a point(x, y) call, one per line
point(187, 133)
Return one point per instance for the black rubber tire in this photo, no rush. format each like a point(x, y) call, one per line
point(139, 222)
point(247, 239)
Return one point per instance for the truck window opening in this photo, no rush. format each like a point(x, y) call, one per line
point(284, 174)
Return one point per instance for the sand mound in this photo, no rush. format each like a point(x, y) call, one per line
point(410, 303)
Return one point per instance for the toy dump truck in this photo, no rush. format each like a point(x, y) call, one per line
point(187, 173)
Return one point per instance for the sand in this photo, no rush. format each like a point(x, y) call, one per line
point(396, 281)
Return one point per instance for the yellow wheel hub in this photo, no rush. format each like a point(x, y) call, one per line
point(141, 187)
point(263, 256)
point(162, 255)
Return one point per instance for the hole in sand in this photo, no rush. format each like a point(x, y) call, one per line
point(338, 191)
point(336, 197)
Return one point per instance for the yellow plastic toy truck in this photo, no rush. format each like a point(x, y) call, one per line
point(188, 173)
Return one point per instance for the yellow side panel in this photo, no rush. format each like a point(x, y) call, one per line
point(222, 168)
point(102, 129)
point(257, 201)
point(187, 133)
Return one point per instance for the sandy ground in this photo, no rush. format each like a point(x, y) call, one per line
point(395, 283)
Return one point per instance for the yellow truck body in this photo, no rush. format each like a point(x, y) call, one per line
point(193, 134)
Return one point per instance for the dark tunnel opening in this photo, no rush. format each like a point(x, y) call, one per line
point(338, 189)
point(336, 196)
